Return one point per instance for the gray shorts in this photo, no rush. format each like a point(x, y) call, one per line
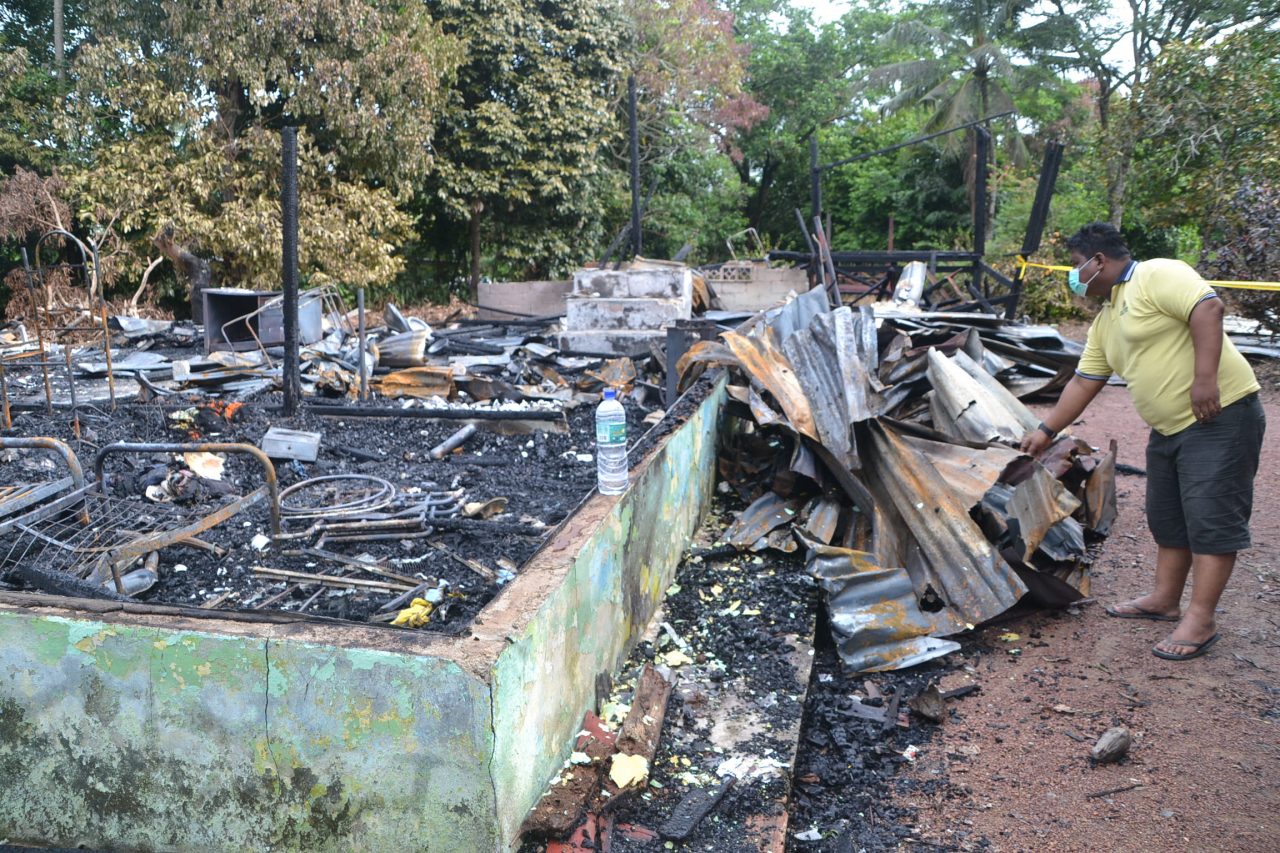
point(1200, 481)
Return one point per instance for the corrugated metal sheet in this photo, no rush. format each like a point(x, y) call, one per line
point(1038, 503)
point(1100, 494)
point(971, 577)
point(967, 404)
point(875, 617)
point(968, 472)
point(766, 513)
point(831, 371)
point(760, 357)
point(1000, 395)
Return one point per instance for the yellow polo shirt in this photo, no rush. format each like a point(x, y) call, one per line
point(1142, 334)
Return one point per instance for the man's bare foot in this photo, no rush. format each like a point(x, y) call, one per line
point(1146, 607)
point(1189, 636)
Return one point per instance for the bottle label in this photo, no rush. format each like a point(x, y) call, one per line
point(611, 433)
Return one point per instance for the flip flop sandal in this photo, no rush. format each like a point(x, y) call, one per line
point(1140, 613)
point(1200, 648)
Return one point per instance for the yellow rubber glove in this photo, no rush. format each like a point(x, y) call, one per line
point(417, 614)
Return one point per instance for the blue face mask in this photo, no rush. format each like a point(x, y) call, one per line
point(1078, 287)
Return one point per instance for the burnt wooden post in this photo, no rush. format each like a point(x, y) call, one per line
point(289, 256)
point(632, 106)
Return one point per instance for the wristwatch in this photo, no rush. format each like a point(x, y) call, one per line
point(1044, 428)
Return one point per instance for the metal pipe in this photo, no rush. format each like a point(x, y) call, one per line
point(61, 448)
point(632, 99)
point(364, 374)
point(815, 178)
point(106, 343)
point(437, 414)
point(5, 417)
point(453, 442)
point(71, 384)
point(981, 141)
point(291, 376)
point(857, 157)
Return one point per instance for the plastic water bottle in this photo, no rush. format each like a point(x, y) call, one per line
point(611, 445)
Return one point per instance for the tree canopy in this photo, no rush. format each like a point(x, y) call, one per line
point(446, 140)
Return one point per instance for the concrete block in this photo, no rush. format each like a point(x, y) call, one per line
point(616, 341)
point(763, 289)
point(651, 315)
point(534, 298)
point(674, 283)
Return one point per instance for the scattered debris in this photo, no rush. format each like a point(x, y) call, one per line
point(690, 811)
point(281, 443)
point(929, 704)
point(1112, 746)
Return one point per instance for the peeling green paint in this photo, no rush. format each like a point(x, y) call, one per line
point(141, 738)
point(548, 677)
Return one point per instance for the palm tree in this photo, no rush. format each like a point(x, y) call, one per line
point(963, 71)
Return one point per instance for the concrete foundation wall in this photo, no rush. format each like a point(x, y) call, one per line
point(532, 298)
point(559, 665)
point(636, 315)
point(149, 731)
point(128, 737)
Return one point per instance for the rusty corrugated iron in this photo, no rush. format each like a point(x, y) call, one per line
point(967, 404)
point(972, 579)
point(875, 615)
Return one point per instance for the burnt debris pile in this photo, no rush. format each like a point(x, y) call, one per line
point(152, 461)
point(883, 445)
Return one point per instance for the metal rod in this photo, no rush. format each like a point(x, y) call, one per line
point(364, 374)
point(981, 142)
point(71, 384)
point(453, 442)
point(815, 178)
point(106, 343)
point(289, 256)
point(437, 414)
point(305, 578)
point(632, 99)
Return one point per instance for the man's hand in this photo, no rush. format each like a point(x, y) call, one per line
point(1035, 442)
point(1205, 404)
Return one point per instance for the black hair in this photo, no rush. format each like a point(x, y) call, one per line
point(1098, 237)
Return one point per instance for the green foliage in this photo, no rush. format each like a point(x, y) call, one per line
point(520, 144)
point(1210, 115)
point(175, 114)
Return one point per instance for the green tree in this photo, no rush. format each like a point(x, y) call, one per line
point(1211, 119)
point(175, 114)
point(966, 67)
point(1081, 35)
point(518, 152)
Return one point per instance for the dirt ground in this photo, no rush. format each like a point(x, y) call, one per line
point(1204, 769)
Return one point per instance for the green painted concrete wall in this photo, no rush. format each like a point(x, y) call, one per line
point(134, 738)
point(125, 736)
point(548, 677)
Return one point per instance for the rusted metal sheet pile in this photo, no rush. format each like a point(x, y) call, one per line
point(885, 446)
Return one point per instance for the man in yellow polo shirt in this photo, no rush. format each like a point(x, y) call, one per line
point(1160, 329)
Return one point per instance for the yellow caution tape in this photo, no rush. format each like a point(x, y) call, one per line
point(1248, 285)
point(1024, 264)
